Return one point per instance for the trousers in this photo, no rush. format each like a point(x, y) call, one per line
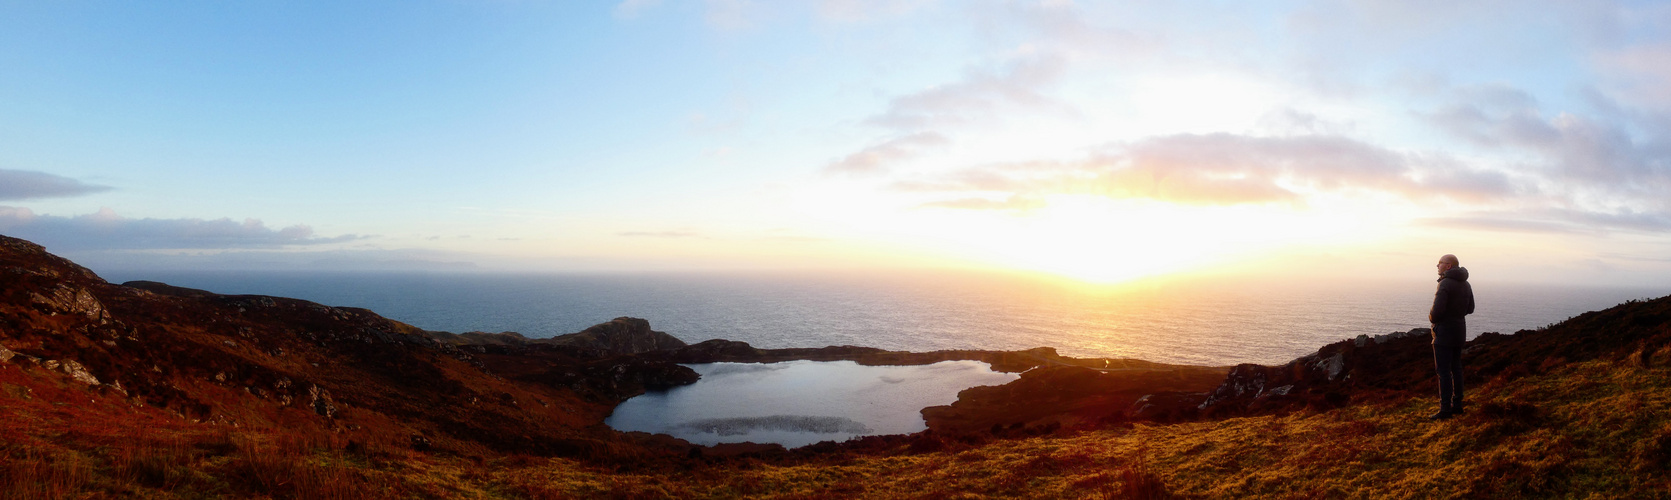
point(1447, 360)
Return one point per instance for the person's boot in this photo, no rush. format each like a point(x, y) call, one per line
point(1456, 409)
point(1444, 413)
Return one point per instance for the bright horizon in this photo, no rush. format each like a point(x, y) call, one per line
point(1106, 143)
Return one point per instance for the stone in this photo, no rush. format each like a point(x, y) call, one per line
point(320, 400)
point(79, 373)
point(6, 354)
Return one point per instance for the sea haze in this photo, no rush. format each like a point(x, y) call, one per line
point(1203, 322)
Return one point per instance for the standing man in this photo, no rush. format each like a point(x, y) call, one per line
point(1453, 301)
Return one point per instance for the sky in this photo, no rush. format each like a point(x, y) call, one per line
point(1098, 141)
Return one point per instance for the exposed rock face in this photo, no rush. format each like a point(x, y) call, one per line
point(619, 336)
point(167, 289)
point(1325, 377)
point(72, 300)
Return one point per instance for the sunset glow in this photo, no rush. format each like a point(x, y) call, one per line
point(1095, 141)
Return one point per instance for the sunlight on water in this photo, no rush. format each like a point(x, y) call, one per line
point(1205, 322)
point(797, 403)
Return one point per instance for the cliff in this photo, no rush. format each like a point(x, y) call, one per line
point(150, 390)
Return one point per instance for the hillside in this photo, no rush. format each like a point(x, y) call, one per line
point(149, 390)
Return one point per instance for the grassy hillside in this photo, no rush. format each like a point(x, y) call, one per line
point(109, 391)
point(1599, 427)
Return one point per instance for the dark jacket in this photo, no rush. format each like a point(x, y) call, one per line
point(1453, 301)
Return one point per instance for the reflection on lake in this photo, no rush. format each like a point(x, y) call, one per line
point(797, 403)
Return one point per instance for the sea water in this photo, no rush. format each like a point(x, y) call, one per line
point(802, 402)
point(1202, 323)
point(797, 403)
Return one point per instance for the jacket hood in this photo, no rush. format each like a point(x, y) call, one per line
point(1457, 273)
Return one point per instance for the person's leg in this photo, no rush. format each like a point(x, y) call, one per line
point(1442, 366)
point(1456, 376)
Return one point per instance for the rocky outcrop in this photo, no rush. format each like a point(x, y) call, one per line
point(616, 379)
point(74, 370)
point(619, 336)
point(161, 288)
point(1065, 396)
point(1324, 378)
point(731, 351)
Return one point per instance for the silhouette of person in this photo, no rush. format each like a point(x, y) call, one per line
point(1451, 303)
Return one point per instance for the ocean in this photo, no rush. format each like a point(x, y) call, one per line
point(1200, 322)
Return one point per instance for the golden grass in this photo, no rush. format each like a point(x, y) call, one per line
point(1597, 429)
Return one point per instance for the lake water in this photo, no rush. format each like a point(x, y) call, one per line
point(797, 403)
point(1206, 323)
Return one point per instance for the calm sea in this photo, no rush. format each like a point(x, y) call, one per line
point(1208, 323)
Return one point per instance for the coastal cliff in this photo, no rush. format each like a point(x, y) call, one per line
point(148, 389)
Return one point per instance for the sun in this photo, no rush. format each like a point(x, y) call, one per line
point(1099, 240)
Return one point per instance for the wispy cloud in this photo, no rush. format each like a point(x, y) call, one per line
point(1019, 203)
point(983, 93)
point(105, 230)
point(1608, 164)
point(660, 234)
point(29, 185)
point(1230, 169)
point(878, 158)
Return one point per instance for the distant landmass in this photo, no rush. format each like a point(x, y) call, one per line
point(149, 389)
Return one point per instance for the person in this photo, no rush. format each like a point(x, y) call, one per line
point(1451, 303)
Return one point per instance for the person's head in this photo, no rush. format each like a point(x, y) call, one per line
point(1448, 262)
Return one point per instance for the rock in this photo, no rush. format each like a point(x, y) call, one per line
point(1332, 365)
point(167, 289)
point(619, 336)
point(421, 443)
point(320, 400)
point(64, 298)
point(73, 369)
point(6, 354)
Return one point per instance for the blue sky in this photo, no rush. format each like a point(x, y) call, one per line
point(1099, 140)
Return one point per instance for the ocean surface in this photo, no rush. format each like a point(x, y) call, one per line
point(769, 403)
point(1204, 322)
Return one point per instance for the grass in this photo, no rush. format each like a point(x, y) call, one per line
point(1597, 429)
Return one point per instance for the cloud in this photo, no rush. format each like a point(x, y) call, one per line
point(631, 9)
point(105, 230)
point(730, 14)
point(28, 185)
point(981, 94)
point(1557, 221)
point(876, 159)
point(1229, 169)
point(1610, 163)
point(1012, 203)
point(659, 234)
